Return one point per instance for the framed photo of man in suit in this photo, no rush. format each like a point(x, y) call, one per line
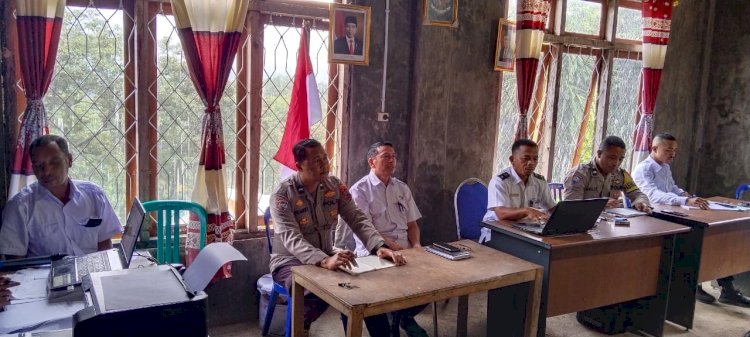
point(349, 29)
point(441, 13)
point(506, 45)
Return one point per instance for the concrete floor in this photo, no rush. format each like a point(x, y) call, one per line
point(716, 320)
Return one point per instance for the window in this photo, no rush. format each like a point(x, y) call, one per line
point(583, 17)
point(583, 53)
point(92, 102)
point(86, 102)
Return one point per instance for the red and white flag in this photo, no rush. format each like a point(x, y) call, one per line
point(304, 109)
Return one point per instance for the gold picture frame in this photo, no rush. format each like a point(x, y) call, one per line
point(441, 13)
point(343, 48)
point(505, 50)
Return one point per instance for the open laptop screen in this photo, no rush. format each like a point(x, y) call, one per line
point(132, 226)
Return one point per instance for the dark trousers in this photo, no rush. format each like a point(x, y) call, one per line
point(378, 325)
point(726, 282)
point(314, 306)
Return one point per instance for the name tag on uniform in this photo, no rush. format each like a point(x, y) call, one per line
point(514, 195)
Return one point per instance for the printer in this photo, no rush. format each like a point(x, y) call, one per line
point(152, 301)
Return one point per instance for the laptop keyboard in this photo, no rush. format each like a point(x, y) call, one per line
point(92, 263)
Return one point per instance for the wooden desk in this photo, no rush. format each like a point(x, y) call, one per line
point(610, 265)
point(718, 246)
point(426, 278)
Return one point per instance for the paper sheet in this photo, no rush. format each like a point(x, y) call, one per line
point(25, 317)
point(207, 263)
point(719, 207)
point(33, 285)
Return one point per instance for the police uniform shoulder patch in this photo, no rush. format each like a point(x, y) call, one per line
point(281, 202)
point(540, 176)
point(504, 175)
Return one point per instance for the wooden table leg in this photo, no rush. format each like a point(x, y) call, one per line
point(298, 309)
point(463, 316)
point(354, 323)
point(532, 304)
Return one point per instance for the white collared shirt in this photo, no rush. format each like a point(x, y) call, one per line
point(36, 223)
point(390, 208)
point(508, 190)
point(655, 180)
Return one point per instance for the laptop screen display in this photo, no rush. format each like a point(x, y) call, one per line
point(133, 225)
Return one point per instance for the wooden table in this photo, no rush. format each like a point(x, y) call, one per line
point(718, 246)
point(609, 265)
point(424, 279)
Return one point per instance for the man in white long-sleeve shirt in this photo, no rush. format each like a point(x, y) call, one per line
point(654, 177)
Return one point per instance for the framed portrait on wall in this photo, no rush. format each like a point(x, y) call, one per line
point(349, 34)
point(441, 12)
point(505, 51)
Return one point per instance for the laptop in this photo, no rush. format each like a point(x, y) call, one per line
point(569, 217)
point(70, 271)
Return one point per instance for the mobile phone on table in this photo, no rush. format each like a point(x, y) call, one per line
point(674, 213)
point(446, 247)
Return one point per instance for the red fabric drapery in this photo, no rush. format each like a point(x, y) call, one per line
point(531, 21)
point(210, 33)
point(657, 18)
point(39, 23)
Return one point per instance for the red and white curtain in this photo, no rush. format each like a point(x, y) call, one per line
point(657, 17)
point(531, 20)
point(210, 32)
point(39, 23)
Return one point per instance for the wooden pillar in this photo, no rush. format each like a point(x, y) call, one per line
point(255, 101)
point(241, 214)
point(145, 24)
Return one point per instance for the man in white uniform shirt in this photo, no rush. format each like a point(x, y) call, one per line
point(51, 216)
point(389, 204)
point(517, 192)
point(654, 177)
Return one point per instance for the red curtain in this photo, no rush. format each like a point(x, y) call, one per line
point(210, 33)
point(531, 20)
point(39, 23)
point(657, 17)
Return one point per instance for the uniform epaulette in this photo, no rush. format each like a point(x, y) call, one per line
point(539, 176)
point(504, 175)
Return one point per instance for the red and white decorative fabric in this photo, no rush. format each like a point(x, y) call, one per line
point(304, 108)
point(210, 32)
point(531, 20)
point(39, 23)
point(657, 17)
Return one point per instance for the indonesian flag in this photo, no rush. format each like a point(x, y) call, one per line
point(304, 109)
point(657, 19)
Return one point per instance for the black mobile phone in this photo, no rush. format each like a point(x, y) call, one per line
point(446, 247)
point(93, 222)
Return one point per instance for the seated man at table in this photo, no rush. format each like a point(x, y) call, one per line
point(51, 216)
point(305, 208)
point(602, 177)
point(388, 203)
point(517, 192)
point(654, 177)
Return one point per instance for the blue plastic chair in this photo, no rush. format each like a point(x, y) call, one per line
point(741, 189)
point(277, 290)
point(556, 189)
point(470, 202)
point(168, 226)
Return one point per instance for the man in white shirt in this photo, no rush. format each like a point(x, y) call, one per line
point(53, 215)
point(388, 203)
point(654, 177)
point(517, 192)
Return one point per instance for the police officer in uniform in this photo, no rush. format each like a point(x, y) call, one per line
point(305, 209)
point(517, 192)
point(602, 177)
